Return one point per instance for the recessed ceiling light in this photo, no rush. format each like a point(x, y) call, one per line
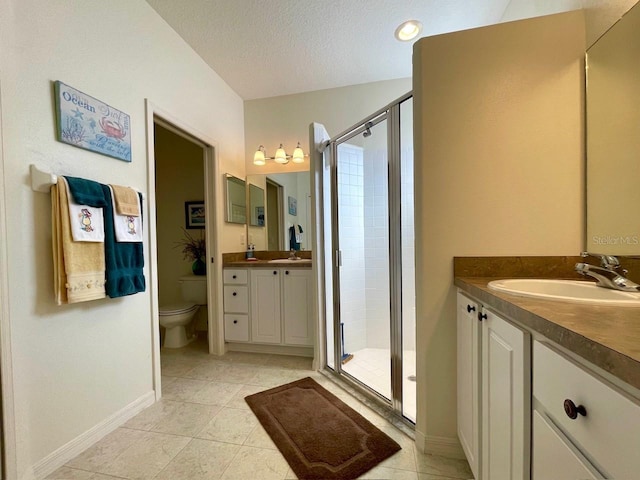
point(408, 30)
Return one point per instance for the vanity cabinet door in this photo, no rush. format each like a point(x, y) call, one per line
point(297, 299)
point(265, 306)
point(506, 399)
point(554, 457)
point(468, 355)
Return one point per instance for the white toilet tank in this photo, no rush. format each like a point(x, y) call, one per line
point(194, 289)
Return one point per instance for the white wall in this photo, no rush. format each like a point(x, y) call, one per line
point(74, 366)
point(499, 170)
point(286, 119)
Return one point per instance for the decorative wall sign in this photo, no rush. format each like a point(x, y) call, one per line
point(91, 124)
point(194, 214)
point(293, 206)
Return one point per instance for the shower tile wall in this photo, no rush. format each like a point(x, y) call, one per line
point(352, 245)
point(376, 248)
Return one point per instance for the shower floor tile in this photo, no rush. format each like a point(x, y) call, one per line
point(372, 366)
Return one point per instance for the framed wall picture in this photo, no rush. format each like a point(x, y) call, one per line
point(293, 206)
point(194, 214)
point(86, 122)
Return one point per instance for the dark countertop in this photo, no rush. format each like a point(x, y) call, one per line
point(237, 259)
point(608, 337)
point(267, 264)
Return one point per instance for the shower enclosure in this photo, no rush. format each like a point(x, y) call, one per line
point(367, 242)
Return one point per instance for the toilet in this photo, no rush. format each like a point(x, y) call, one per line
point(176, 316)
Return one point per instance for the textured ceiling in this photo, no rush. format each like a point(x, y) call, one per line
point(266, 48)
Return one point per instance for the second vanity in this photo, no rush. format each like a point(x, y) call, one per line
point(268, 306)
point(546, 389)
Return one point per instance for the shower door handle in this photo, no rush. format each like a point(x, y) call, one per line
point(339, 258)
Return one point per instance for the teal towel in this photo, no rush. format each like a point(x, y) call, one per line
point(124, 261)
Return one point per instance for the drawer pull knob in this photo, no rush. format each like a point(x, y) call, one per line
point(235, 293)
point(235, 276)
point(275, 273)
point(470, 309)
point(287, 272)
point(572, 410)
point(235, 321)
point(482, 316)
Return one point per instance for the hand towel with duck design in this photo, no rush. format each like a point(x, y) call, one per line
point(78, 267)
point(124, 260)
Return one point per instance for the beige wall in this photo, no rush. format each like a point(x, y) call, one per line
point(179, 179)
point(498, 171)
point(599, 14)
point(286, 119)
point(76, 366)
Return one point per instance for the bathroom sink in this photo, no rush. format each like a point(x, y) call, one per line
point(290, 260)
point(566, 291)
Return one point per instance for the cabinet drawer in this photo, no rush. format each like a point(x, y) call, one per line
point(236, 328)
point(235, 276)
point(236, 299)
point(608, 434)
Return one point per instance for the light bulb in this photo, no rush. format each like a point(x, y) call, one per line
point(281, 156)
point(408, 30)
point(258, 157)
point(298, 154)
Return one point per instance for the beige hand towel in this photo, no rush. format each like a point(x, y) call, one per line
point(126, 200)
point(79, 267)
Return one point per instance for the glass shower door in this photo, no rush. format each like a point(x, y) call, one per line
point(363, 237)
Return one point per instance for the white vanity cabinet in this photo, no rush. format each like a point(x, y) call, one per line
point(265, 305)
point(269, 306)
point(468, 370)
point(494, 393)
point(506, 399)
point(281, 300)
point(297, 302)
point(236, 304)
point(596, 425)
point(542, 414)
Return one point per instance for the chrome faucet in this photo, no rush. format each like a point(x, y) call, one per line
point(606, 274)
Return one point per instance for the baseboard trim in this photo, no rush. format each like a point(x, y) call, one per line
point(274, 349)
point(62, 455)
point(443, 446)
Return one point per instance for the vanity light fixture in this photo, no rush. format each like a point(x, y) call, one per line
point(281, 157)
point(408, 30)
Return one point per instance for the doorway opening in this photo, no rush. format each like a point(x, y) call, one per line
point(204, 191)
point(274, 210)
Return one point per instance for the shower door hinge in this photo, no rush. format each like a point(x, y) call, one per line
point(339, 258)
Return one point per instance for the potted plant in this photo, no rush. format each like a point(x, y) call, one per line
point(195, 250)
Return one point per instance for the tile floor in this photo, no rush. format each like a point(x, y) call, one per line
point(372, 367)
point(202, 428)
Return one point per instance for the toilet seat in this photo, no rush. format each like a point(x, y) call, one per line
point(177, 309)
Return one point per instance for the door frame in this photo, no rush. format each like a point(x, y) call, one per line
point(9, 467)
point(390, 113)
point(213, 185)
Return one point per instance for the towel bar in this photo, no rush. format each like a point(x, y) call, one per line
point(42, 181)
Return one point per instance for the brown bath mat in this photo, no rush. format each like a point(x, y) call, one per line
point(320, 436)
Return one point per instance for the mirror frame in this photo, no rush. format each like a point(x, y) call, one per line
point(236, 202)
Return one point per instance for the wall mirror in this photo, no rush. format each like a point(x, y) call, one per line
point(287, 203)
point(256, 206)
point(613, 139)
point(236, 196)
